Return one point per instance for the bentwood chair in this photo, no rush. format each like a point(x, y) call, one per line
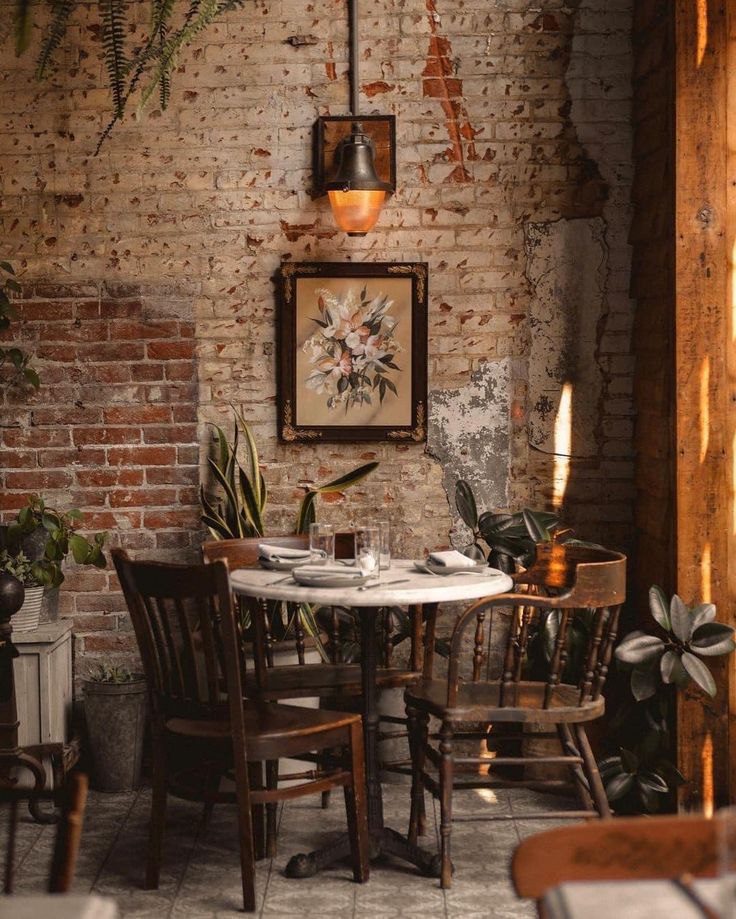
point(271, 681)
point(73, 800)
point(639, 848)
point(519, 673)
point(202, 729)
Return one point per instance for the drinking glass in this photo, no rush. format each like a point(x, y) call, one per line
point(368, 550)
point(321, 542)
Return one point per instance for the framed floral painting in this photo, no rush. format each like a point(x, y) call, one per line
point(353, 351)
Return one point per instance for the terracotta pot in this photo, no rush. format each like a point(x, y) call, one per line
point(116, 720)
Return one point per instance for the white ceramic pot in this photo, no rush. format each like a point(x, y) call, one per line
point(27, 617)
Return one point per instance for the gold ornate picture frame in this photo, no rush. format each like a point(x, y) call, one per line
point(353, 352)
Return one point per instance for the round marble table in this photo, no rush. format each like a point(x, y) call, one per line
point(400, 585)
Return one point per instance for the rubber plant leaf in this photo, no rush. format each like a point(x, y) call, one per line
point(712, 639)
point(659, 607)
point(465, 503)
point(699, 673)
point(639, 648)
point(680, 618)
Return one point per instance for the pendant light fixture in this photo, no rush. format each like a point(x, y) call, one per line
point(356, 192)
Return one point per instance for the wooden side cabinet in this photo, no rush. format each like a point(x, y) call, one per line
point(43, 687)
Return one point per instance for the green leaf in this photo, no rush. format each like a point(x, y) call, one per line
point(306, 513)
point(254, 472)
point(465, 503)
point(639, 648)
point(619, 786)
point(659, 607)
point(672, 669)
point(699, 673)
point(702, 613)
point(80, 548)
point(250, 503)
point(23, 25)
point(345, 481)
point(653, 781)
point(643, 684)
point(230, 496)
point(629, 760)
point(713, 638)
point(536, 525)
point(680, 618)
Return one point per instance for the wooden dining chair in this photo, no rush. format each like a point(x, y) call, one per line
point(498, 689)
point(202, 729)
point(639, 848)
point(272, 681)
point(73, 799)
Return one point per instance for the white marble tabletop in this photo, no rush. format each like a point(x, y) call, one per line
point(399, 585)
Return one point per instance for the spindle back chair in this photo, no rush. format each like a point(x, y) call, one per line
point(518, 669)
point(202, 729)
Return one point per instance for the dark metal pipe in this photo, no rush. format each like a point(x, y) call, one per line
point(353, 47)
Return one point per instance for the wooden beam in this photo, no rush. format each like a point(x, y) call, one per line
point(703, 428)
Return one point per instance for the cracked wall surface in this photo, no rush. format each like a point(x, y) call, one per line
point(514, 164)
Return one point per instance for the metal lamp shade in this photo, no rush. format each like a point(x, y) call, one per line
point(356, 193)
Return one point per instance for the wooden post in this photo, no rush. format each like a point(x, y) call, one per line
point(703, 408)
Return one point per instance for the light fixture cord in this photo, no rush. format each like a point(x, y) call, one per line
point(354, 80)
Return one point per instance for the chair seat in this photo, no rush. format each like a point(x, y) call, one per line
point(294, 680)
point(479, 702)
point(267, 726)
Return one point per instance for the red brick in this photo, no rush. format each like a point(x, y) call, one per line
point(169, 434)
point(67, 414)
point(120, 309)
point(65, 354)
point(148, 372)
point(144, 497)
point(71, 331)
point(142, 456)
point(107, 373)
point(171, 519)
point(172, 475)
point(106, 435)
point(35, 481)
point(180, 370)
point(36, 437)
point(170, 350)
point(101, 352)
point(18, 459)
point(108, 477)
point(137, 414)
point(110, 643)
point(30, 311)
point(141, 331)
point(57, 458)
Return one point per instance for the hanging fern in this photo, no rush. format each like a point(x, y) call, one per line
point(113, 41)
point(60, 12)
point(125, 66)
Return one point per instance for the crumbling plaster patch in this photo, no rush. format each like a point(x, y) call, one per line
point(469, 434)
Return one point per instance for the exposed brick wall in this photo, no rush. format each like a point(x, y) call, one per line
point(112, 431)
point(508, 111)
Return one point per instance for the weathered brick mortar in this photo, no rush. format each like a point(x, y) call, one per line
point(508, 112)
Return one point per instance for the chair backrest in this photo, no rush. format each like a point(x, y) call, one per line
point(563, 617)
point(182, 615)
point(623, 849)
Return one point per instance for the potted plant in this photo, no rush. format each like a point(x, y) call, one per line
point(19, 567)
point(641, 775)
point(115, 712)
point(46, 537)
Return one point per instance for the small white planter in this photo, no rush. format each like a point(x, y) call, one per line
point(27, 617)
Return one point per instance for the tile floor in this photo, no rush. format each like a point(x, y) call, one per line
point(200, 877)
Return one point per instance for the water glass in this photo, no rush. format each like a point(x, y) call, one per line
point(321, 543)
point(368, 550)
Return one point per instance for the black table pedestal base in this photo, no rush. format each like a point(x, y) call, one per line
point(385, 844)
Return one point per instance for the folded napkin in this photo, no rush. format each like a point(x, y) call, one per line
point(275, 553)
point(452, 559)
point(331, 571)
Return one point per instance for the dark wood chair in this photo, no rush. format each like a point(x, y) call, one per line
point(73, 800)
point(498, 692)
point(202, 729)
point(638, 848)
point(270, 681)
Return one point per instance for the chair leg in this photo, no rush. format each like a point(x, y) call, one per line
point(245, 838)
point(418, 728)
point(255, 778)
point(272, 782)
point(591, 772)
point(581, 783)
point(158, 818)
point(355, 805)
point(212, 786)
point(446, 776)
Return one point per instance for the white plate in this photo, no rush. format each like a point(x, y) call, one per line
point(327, 580)
point(427, 567)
